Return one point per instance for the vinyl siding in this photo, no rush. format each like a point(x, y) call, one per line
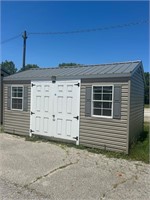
point(136, 106)
point(104, 133)
point(3, 74)
point(16, 122)
point(1, 101)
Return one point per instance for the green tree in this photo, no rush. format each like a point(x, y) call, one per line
point(65, 65)
point(9, 66)
point(146, 89)
point(28, 66)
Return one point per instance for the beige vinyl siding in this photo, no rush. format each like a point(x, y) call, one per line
point(1, 102)
point(104, 133)
point(3, 74)
point(16, 121)
point(136, 106)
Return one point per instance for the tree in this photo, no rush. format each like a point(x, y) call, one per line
point(146, 89)
point(65, 65)
point(9, 66)
point(28, 66)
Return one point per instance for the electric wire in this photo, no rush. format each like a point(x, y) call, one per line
point(90, 30)
point(80, 31)
point(10, 39)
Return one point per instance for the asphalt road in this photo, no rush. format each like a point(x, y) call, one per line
point(39, 170)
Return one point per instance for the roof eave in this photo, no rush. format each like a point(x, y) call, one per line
point(6, 79)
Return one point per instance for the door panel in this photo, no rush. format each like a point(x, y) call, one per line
point(55, 105)
point(66, 107)
point(41, 106)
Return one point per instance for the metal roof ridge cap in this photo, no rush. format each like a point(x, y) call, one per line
point(125, 62)
point(113, 63)
point(87, 65)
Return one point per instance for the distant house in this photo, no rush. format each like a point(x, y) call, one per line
point(100, 106)
point(3, 74)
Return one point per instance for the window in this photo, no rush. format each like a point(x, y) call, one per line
point(102, 101)
point(17, 98)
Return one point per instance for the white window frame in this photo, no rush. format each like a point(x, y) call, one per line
point(17, 97)
point(102, 116)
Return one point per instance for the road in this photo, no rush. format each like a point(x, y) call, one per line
point(44, 170)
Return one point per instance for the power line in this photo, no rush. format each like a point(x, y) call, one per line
point(91, 30)
point(80, 31)
point(10, 39)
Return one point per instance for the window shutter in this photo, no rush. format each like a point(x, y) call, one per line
point(88, 101)
point(117, 102)
point(25, 99)
point(9, 98)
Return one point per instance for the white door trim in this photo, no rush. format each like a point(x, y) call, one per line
point(75, 108)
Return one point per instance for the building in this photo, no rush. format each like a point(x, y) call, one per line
point(3, 74)
point(100, 106)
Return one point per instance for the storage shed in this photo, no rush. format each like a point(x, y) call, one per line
point(100, 106)
point(3, 74)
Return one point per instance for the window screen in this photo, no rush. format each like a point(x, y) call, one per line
point(17, 98)
point(102, 100)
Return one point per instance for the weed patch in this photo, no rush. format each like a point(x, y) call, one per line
point(139, 151)
point(1, 129)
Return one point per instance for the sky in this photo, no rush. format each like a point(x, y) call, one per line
point(97, 47)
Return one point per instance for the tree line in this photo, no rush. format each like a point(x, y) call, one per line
point(10, 67)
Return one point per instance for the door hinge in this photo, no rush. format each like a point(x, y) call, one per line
point(31, 131)
point(32, 84)
point(77, 117)
point(76, 138)
point(77, 84)
point(32, 113)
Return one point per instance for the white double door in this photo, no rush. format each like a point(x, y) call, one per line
point(55, 109)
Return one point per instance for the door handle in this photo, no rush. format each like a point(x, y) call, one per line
point(53, 117)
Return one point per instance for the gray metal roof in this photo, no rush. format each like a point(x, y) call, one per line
point(123, 69)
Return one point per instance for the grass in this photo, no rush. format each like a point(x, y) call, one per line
point(146, 106)
point(139, 151)
point(1, 129)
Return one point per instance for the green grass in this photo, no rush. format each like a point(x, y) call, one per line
point(146, 106)
point(138, 151)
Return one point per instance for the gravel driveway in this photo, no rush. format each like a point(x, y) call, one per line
point(147, 114)
point(39, 170)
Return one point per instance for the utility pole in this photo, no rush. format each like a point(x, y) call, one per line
point(24, 48)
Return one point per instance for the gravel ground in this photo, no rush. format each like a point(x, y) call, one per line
point(146, 114)
point(39, 170)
